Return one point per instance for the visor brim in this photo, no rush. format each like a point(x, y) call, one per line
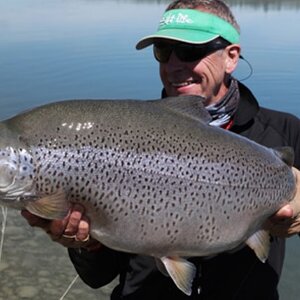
point(185, 36)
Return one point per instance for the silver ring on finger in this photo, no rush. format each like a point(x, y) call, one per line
point(69, 236)
point(84, 240)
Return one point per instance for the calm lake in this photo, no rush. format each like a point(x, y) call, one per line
point(71, 49)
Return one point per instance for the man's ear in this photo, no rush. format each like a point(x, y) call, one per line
point(233, 54)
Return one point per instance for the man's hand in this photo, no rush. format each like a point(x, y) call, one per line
point(286, 222)
point(71, 232)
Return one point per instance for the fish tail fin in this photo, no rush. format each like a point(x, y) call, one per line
point(286, 154)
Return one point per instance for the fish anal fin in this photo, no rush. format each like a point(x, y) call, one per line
point(259, 242)
point(50, 207)
point(181, 271)
point(161, 267)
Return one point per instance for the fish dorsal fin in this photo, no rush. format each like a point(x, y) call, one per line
point(259, 242)
point(181, 271)
point(286, 154)
point(51, 207)
point(189, 106)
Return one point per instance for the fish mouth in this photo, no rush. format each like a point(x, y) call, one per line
point(17, 177)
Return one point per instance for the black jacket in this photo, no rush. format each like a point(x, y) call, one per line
point(236, 276)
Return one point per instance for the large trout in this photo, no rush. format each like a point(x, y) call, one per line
point(153, 176)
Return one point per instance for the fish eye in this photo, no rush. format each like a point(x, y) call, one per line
point(7, 174)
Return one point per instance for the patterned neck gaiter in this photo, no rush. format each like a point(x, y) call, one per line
point(223, 111)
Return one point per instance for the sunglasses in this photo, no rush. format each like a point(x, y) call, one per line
point(186, 52)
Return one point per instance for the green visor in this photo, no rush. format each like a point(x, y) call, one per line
point(191, 26)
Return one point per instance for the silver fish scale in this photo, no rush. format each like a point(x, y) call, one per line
point(155, 192)
point(154, 152)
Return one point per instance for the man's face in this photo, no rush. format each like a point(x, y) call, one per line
point(204, 77)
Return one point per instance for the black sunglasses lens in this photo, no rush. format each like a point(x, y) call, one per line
point(187, 52)
point(162, 52)
point(190, 53)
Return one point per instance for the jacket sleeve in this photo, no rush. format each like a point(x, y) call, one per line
point(98, 268)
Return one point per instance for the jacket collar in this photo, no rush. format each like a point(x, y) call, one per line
point(247, 110)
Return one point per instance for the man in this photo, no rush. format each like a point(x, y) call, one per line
point(197, 46)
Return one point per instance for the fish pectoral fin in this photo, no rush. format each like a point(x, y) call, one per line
point(181, 271)
point(51, 207)
point(259, 242)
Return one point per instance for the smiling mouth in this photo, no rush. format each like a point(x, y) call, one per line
point(182, 84)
